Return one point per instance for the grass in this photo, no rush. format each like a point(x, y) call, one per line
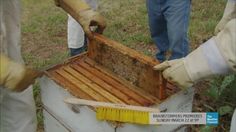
point(44, 29)
point(43, 33)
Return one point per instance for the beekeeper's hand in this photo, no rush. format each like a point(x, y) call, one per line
point(175, 72)
point(217, 56)
point(83, 14)
point(92, 18)
point(229, 13)
point(15, 76)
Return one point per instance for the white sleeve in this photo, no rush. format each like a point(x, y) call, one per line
point(226, 43)
point(10, 33)
point(230, 10)
point(216, 56)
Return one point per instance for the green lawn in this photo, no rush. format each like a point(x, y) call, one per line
point(44, 29)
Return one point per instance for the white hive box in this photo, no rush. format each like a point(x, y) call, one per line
point(109, 72)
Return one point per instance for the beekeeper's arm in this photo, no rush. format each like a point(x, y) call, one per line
point(229, 13)
point(15, 76)
point(216, 56)
point(83, 14)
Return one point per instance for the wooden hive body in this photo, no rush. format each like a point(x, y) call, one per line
point(111, 72)
point(108, 72)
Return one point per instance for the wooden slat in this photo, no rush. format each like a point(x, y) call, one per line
point(76, 101)
point(124, 50)
point(81, 85)
point(66, 62)
point(69, 86)
point(172, 89)
point(162, 88)
point(116, 84)
point(93, 85)
point(119, 93)
point(133, 88)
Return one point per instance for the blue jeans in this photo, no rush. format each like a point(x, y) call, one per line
point(76, 51)
point(168, 22)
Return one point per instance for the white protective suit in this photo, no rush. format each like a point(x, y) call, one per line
point(76, 35)
point(17, 110)
point(217, 56)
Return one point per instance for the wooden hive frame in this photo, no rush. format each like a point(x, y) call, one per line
point(128, 64)
point(111, 72)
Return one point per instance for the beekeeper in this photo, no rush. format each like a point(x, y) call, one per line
point(17, 107)
point(217, 56)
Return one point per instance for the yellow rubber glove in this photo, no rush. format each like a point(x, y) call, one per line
point(15, 76)
point(175, 72)
point(83, 14)
point(229, 13)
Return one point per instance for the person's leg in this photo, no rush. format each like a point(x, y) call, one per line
point(76, 37)
point(177, 16)
point(77, 40)
point(77, 51)
point(158, 29)
point(18, 113)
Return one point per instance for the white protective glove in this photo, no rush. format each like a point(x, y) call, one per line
point(15, 76)
point(229, 13)
point(175, 72)
point(83, 14)
point(216, 56)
